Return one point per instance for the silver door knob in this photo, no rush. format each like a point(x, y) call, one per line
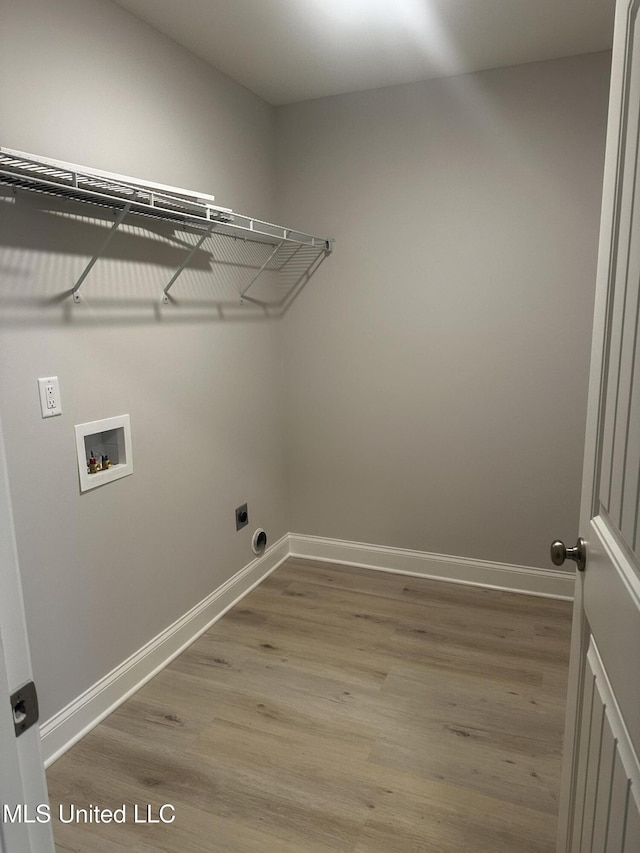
point(560, 553)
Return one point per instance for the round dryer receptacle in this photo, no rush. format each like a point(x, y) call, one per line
point(259, 541)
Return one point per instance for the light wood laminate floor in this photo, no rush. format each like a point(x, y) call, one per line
point(339, 709)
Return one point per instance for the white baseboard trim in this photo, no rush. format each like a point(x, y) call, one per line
point(68, 726)
point(502, 576)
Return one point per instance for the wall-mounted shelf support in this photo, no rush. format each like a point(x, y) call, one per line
point(183, 208)
point(261, 270)
point(190, 254)
point(75, 291)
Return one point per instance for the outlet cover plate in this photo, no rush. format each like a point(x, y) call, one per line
point(50, 402)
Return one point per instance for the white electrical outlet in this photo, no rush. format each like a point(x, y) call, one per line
point(50, 402)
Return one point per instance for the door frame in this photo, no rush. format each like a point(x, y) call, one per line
point(22, 777)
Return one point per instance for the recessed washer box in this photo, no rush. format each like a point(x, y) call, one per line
point(110, 437)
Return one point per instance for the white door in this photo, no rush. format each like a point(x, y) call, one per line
point(600, 801)
point(22, 779)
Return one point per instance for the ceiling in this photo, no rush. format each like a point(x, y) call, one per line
point(294, 50)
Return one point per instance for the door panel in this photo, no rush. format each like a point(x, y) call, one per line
point(608, 773)
point(619, 475)
point(632, 833)
point(606, 770)
point(588, 759)
point(611, 591)
point(619, 798)
point(600, 809)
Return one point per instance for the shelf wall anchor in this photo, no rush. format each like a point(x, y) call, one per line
point(119, 219)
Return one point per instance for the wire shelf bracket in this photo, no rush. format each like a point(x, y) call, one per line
point(190, 254)
point(75, 290)
point(244, 290)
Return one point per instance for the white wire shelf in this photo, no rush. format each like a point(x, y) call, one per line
point(127, 196)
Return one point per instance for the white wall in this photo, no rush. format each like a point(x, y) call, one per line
point(437, 365)
point(105, 571)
